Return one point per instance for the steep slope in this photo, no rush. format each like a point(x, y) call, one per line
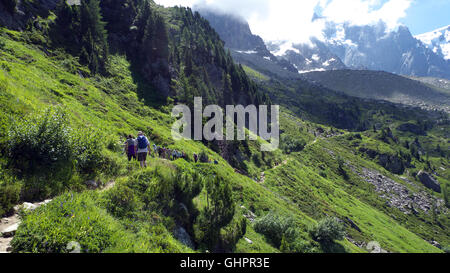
point(438, 41)
point(246, 48)
point(183, 206)
point(382, 86)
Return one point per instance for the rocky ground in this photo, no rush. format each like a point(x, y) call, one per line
point(9, 225)
point(399, 196)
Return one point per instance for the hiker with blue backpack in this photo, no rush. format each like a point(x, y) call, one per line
point(143, 149)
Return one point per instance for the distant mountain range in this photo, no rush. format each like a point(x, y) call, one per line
point(351, 60)
point(370, 47)
point(373, 47)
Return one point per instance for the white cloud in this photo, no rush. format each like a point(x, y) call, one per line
point(290, 20)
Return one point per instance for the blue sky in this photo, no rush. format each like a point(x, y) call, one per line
point(427, 15)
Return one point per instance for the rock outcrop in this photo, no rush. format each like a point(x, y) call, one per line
point(429, 181)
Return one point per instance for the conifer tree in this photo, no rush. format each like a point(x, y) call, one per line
point(94, 47)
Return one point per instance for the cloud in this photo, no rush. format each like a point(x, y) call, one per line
point(290, 20)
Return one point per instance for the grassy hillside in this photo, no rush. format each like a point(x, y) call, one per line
point(284, 201)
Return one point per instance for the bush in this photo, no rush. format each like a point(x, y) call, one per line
point(80, 218)
point(121, 201)
point(68, 218)
point(41, 144)
point(203, 157)
point(327, 230)
point(9, 193)
point(233, 232)
point(217, 214)
point(275, 227)
point(297, 246)
point(290, 144)
point(46, 152)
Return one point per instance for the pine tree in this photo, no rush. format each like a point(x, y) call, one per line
point(94, 37)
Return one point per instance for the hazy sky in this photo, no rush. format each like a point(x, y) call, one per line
point(291, 19)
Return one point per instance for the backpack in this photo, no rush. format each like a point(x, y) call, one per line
point(142, 142)
point(131, 142)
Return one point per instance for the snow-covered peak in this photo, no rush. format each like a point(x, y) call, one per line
point(438, 41)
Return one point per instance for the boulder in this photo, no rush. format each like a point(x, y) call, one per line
point(429, 181)
point(26, 206)
point(10, 230)
point(92, 184)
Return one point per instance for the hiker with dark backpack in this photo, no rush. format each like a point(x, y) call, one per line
point(195, 157)
point(143, 149)
point(130, 148)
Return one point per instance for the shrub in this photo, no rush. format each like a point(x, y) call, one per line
point(218, 213)
point(203, 157)
point(233, 232)
point(290, 144)
point(9, 193)
point(170, 190)
point(297, 246)
point(87, 146)
point(327, 230)
point(446, 193)
point(46, 152)
point(68, 218)
point(121, 201)
point(275, 227)
point(40, 144)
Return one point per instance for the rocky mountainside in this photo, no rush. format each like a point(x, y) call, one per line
point(377, 48)
point(315, 56)
point(245, 47)
point(383, 86)
point(438, 41)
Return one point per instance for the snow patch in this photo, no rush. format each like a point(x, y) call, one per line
point(285, 47)
point(247, 52)
point(327, 63)
point(312, 70)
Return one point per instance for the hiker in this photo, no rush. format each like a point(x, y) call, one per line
point(195, 157)
point(130, 148)
point(155, 149)
point(143, 149)
point(160, 151)
point(174, 154)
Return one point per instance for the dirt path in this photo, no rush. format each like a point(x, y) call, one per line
point(5, 224)
point(9, 225)
point(263, 174)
